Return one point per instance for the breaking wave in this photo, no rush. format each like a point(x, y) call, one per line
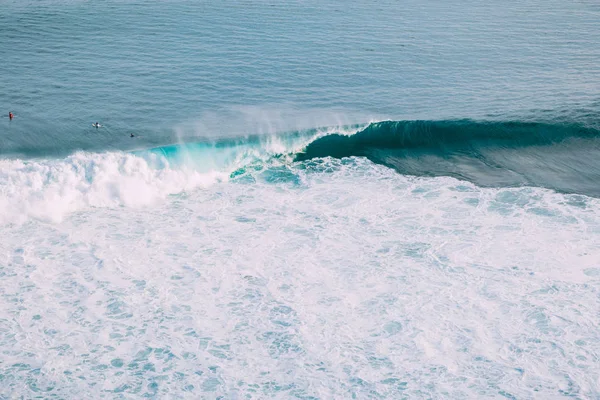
point(562, 157)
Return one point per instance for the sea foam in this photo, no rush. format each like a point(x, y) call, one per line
point(340, 278)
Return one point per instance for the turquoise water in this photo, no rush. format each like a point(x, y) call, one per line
point(367, 199)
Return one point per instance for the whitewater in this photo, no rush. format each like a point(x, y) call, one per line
point(310, 200)
point(144, 275)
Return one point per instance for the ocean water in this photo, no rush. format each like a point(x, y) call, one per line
point(321, 199)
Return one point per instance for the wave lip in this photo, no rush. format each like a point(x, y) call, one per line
point(562, 156)
point(440, 134)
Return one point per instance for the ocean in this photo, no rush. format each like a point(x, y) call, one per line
point(302, 199)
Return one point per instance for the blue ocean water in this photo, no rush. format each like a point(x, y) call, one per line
point(359, 199)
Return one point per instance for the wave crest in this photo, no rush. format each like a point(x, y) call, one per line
point(451, 135)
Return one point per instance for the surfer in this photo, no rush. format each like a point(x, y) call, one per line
point(97, 125)
point(132, 135)
point(10, 115)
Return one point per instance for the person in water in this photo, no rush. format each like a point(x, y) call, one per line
point(10, 115)
point(97, 125)
point(132, 135)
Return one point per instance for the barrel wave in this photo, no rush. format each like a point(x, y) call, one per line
point(498, 154)
point(559, 156)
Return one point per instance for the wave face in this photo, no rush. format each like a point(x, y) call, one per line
point(563, 157)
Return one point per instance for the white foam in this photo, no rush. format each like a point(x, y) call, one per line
point(50, 189)
point(350, 280)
